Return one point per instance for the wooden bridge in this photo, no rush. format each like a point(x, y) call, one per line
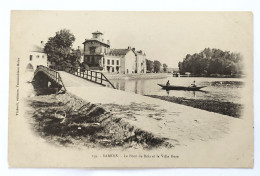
point(53, 75)
point(74, 77)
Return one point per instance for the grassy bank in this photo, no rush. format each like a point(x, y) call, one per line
point(225, 108)
point(69, 121)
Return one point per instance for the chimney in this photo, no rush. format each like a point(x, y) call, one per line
point(133, 49)
point(140, 51)
point(129, 47)
point(42, 44)
point(108, 42)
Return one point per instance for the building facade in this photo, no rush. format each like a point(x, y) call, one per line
point(94, 51)
point(99, 56)
point(36, 56)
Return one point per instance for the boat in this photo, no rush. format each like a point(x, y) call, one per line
point(189, 88)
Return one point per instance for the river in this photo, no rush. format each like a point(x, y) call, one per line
point(220, 89)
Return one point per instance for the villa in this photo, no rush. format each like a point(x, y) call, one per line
point(99, 56)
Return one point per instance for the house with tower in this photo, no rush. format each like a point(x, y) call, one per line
point(99, 56)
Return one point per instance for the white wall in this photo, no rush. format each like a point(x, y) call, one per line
point(115, 59)
point(130, 62)
point(37, 59)
point(141, 64)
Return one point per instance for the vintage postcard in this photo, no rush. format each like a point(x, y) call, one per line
point(131, 89)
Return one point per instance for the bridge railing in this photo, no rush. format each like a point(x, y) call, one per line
point(52, 74)
point(94, 76)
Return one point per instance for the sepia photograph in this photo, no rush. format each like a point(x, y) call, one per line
point(134, 89)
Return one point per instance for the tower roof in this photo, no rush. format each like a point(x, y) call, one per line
point(118, 51)
point(95, 40)
point(97, 32)
point(37, 48)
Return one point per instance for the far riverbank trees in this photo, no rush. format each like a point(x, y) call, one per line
point(155, 66)
point(212, 62)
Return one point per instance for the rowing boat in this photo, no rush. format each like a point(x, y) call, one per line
point(190, 88)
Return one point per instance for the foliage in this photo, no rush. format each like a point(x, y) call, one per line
point(59, 51)
point(154, 66)
point(149, 65)
point(157, 66)
point(74, 57)
point(212, 62)
point(165, 66)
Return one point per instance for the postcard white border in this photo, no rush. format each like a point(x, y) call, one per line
point(137, 5)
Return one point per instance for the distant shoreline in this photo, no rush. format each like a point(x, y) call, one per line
point(137, 76)
point(212, 76)
point(163, 75)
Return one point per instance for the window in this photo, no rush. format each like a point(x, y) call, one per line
point(113, 69)
point(31, 57)
point(113, 62)
point(117, 62)
point(90, 59)
point(42, 56)
point(92, 50)
point(108, 62)
point(37, 56)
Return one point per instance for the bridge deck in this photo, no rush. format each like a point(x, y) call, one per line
point(70, 80)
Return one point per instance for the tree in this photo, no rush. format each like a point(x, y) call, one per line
point(165, 67)
point(181, 69)
point(149, 65)
point(58, 48)
point(157, 66)
point(212, 61)
point(74, 58)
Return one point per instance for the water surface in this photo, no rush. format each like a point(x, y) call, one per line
point(221, 89)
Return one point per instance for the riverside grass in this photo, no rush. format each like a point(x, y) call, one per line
point(86, 125)
point(225, 108)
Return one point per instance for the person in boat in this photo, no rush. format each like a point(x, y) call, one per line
point(194, 84)
point(168, 83)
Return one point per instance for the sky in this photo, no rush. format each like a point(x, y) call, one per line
point(164, 36)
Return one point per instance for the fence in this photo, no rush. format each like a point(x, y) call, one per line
point(90, 75)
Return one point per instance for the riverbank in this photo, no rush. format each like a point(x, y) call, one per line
point(225, 108)
point(69, 121)
point(211, 76)
point(114, 76)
